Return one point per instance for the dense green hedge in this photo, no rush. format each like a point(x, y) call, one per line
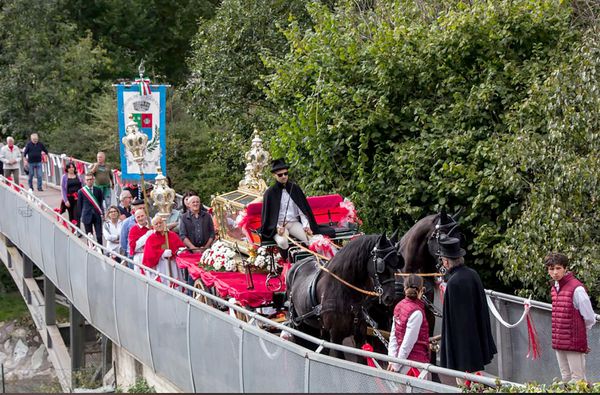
point(405, 106)
point(533, 387)
point(488, 107)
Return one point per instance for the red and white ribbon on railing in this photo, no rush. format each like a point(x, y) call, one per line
point(533, 350)
point(144, 85)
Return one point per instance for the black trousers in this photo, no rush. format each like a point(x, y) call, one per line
point(97, 225)
point(72, 210)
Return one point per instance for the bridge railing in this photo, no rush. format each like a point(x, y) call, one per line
point(511, 362)
point(193, 345)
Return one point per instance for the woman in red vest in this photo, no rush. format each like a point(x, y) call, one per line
point(409, 337)
point(572, 317)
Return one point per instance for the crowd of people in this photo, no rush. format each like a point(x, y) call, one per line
point(127, 229)
point(467, 343)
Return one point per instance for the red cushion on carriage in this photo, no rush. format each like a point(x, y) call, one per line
point(322, 207)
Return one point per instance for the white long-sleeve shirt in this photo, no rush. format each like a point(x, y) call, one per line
point(7, 155)
point(289, 211)
point(582, 303)
point(413, 326)
point(111, 233)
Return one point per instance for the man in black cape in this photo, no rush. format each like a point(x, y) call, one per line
point(285, 210)
point(467, 343)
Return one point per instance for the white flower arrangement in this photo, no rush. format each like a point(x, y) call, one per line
point(220, 257)
point(260, 258)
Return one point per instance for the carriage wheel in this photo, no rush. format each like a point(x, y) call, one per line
point(198, 296)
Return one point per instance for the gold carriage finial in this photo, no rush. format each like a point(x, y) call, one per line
point(257, 159)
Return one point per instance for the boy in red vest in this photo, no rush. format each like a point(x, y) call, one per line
point(572, 316)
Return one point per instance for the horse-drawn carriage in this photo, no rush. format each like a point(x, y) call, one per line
point(364, 273)
point(242, 266)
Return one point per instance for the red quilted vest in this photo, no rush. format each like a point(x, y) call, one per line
point(568, 327)
point(402, 312)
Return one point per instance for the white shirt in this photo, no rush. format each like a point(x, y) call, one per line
point(292, 212)
point(581, 302)
point(111, 233)
point(413, 326)
point(6, 155)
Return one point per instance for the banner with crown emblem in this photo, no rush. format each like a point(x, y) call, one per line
point(148, 110)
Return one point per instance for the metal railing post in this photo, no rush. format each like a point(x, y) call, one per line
point(49, 301)
point(27, 274)
point(77, 342)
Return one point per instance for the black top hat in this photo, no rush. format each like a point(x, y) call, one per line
point(450, 248)
point(137, 202)
point(278, 164)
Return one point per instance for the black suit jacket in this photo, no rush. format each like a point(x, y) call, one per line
point(88, 213)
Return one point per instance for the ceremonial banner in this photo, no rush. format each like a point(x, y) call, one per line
point(149, 112)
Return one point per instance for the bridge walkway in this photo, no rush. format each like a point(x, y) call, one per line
point(198, 348)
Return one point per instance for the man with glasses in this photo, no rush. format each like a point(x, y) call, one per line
point(125, 204)
point(127, 225)
point(285, 210)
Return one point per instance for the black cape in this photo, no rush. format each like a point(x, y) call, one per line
point(467, 342)
point(271, 205)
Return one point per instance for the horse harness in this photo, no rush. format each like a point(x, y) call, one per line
point(358, 310)
point(433, 244)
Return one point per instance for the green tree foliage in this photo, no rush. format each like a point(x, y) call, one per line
point(226, 67)
point(408, 107)
point(47, 71)
point(191, 145)
point(553, 155)
point(226, 62)
point(157, 30)
point(99, 131)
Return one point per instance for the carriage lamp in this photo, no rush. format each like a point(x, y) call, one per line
point(135, 142)
point(162, 195)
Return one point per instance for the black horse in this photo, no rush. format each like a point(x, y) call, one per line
point(329, 303)
point(418, 252)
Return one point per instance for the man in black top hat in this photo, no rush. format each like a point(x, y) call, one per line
point(285, 210)
point(467, 344)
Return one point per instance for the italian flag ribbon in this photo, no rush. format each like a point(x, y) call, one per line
point(144, 85)
point(90, 196)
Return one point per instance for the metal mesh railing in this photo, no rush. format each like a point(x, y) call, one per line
point(513, 344)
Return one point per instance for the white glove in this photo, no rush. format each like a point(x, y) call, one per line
point(167, 253)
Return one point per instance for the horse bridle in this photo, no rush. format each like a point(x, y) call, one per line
point(379, 264)
point(439, 234)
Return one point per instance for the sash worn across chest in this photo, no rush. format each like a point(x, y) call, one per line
point(91, 198)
